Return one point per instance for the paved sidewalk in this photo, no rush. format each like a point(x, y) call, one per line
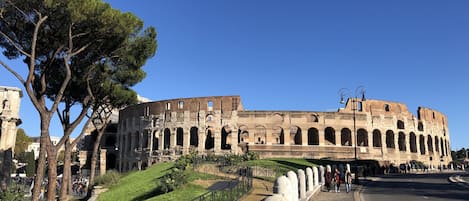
point(333, 196)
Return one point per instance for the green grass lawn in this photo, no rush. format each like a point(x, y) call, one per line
point(141, 185)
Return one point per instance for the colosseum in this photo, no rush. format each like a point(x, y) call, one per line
point(379, 130)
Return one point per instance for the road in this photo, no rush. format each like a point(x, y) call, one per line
point(413, 187)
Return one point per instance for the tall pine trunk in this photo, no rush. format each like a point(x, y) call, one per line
point(64, 190)
point(52, 172)
point(94, 156)
point(40, 166)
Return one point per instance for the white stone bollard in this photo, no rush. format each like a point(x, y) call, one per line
point(294, 185)
point(309, 179)
point(347, 167)
point(321, 175)
point(282, 187)
point(315, 176)
point(301, 183)
point(328, 168)
point(276, 197)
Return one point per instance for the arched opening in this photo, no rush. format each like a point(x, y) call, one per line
point(110, 161)
point(209, 140)
point(156, 142)
point(362, 137)
point(278, 135)
point(422, 144)
point(446, 148)
point(413, 142)
point(346, 137)
point(441, 147)
point(167, 138)
point(295, 131)
point(401, 141)
point(400, 124)
point(179, 136)
point(137, 140)
point(420, 126)
point(430, 144)
point(437, 145)
point(260, 135)
point(313, 136)
point(128, 142)
point(390, 139)
point(110, 141)
point(145, 139)
point(329, 135)
point(376, 138)
point(194, 137)
point(225, 134)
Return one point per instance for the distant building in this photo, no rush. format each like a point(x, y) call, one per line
point(35, 145)
point(10, 98)
point(378, 130)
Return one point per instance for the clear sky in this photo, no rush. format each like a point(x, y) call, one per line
point(296, 55)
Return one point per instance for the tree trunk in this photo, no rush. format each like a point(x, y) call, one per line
point(94, 157)
point(40, 166)
point(66, 171)
point(52, 172)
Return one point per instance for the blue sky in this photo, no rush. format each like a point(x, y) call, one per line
point(296, 55)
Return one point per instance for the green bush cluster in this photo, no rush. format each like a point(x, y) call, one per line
point(110, 178)
point(12, 193)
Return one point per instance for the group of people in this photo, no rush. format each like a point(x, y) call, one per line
point(336, 178)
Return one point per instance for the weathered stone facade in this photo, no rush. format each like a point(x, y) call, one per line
point(10, 98)
point(385, 131)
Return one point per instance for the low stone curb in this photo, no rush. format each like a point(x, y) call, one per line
point(457, 179)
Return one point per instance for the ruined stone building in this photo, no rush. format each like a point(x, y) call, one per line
point(10, 98)
point(379, 130)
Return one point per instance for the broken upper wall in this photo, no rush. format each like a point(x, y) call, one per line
point(10, 98)
point(209, 103)
point(377, 107)
point(431, 115)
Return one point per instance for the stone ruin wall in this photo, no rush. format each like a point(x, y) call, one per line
point(386, 132)
point(10, 98)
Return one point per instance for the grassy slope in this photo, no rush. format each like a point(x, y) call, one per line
point(136, 184)
point(140, 186)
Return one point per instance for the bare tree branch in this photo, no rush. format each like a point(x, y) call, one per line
point(15, 44)
point(16, 74)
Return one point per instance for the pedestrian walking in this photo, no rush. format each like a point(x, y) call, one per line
point(337, 180)
point(348, 181)
point(328, 178)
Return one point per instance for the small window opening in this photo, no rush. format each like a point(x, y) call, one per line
point(210, 105)
point(386, 108)
point(168, 106)
point(181, 104)
point(433, 115)
point(360, 106)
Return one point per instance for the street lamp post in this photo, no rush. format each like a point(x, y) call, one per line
point(359, 91)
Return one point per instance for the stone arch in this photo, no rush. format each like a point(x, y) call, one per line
point(313, 136)
point(362, 136)
point(129, 142)
point(446, 148)
point(442, 152)
point(437, 145)
point(137, 140)
point(156, 141)
point(243, 134)
point(390, 139)
point(145, 139)
point(260, 135)
point(278, 135)
point(167, 138)
point(346, 137)
point(209, 139)
point(194, 137)
point(295, 131)
point(277, 118)
point(179, 136)
point(110, 141)
point(422, 144)
point(400, 124)
point(225, 138)
point(377, 138)
point(329, 135)
point(420, 126)
point(401, 141)
point(413, 142)
point(111, 161)
point(314, 118)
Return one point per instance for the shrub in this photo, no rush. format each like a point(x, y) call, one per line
point(175, 179)
point(110, 178)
